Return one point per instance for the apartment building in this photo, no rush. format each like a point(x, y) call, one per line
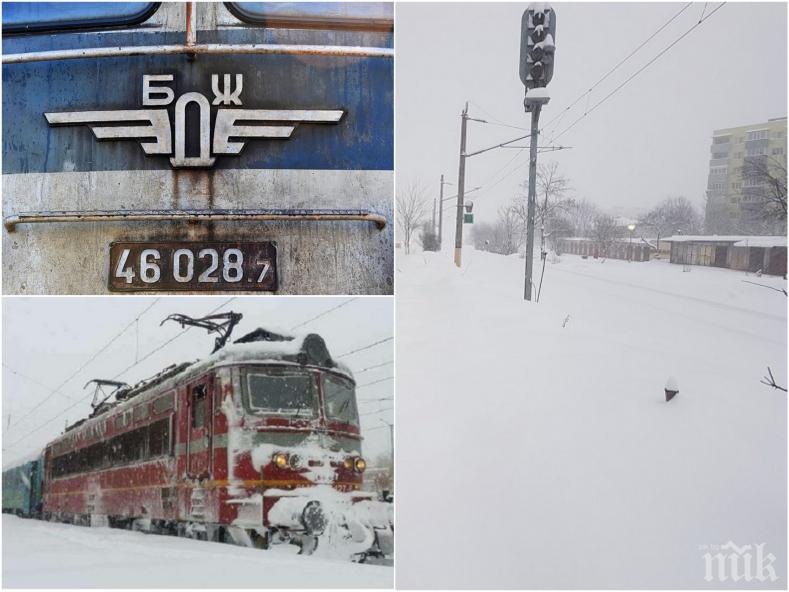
point(734, 201)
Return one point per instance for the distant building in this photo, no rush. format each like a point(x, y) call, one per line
point(766, 254)
point(635, 250)
point(728, 193)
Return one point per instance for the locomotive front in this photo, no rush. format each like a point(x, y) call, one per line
point(294, 462)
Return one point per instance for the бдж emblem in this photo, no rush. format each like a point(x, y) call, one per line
point(155, 123)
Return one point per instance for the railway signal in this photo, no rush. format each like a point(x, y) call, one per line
point(538, 35)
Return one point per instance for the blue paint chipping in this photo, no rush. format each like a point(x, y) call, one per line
point(362, 87)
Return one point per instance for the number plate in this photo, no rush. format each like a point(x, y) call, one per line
point(213, 266)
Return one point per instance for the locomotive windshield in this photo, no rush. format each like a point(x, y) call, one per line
point(291, 392)
point(340, 400)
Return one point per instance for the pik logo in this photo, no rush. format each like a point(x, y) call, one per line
point(152, 127)
point(745, 563)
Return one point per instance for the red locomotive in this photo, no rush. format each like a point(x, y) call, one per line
point(257, 444)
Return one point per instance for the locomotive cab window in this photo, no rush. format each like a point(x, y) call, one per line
point(31, 17)
point(198, 405)
point(340, 15)
point(284, 391)
point(340, 400)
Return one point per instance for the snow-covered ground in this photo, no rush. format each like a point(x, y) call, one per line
point(48, 555)
point(535, 447)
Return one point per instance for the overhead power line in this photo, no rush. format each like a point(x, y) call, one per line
point(169, 341)
point(637, 72)
point(325, 312)
point(353, 351)
point(586, 94)
point(93, 357)
point(382, 364)
point(376, 411)
point(34, 381)
point(496, 120)
point(375, 382)
point(489, 183)
point(82, 399)
point(376, 400)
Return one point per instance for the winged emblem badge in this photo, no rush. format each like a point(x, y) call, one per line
point(233, 125)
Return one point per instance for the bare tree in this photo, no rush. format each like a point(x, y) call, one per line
point(580, 215)
point(509, 232)
point(504, 237)
point(550, 200)
point(428, 238)
point(672, 216)
point(605, 232)
point(411, 210)
point(764, 193)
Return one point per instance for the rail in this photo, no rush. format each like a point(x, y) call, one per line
point(201, 49)
point(244, 215)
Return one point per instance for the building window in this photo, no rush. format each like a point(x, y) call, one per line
point(757, 135)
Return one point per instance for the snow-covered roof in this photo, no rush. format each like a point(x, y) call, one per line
point(762, 241)
point(738, 240)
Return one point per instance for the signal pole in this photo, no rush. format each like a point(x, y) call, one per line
point(538, 32)
point(461, 187)
point(535, 118)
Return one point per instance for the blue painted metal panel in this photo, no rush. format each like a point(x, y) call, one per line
point(22, 487)
point(363, 87)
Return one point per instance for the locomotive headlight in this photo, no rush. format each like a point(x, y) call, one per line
point(360, 465)
point(348, 464)
point(280, 460)
point(295, 461)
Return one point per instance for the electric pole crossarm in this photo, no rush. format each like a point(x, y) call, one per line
point(502, 145)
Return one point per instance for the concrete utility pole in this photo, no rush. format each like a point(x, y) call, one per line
point(461, 187)
point(535, 118)
point(440, 212)
point(391, 440)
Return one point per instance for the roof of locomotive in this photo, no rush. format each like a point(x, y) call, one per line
point(258, 347)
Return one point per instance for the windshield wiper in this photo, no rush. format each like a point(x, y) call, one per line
point(345, 404)
point(301, 406)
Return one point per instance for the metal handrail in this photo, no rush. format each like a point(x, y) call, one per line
point(207, 48)
point(244, 215)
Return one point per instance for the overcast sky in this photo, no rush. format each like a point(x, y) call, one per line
point(649, 141)
point(47, 339)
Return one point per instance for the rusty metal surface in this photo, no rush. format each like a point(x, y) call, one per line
point(11, 222)
point(132, 262)
point(345, 166)
point(200, 49)
point(315, 257)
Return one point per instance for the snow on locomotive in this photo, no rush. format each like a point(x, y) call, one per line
point(257, 444)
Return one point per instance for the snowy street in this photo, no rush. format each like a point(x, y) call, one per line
point(558, 461)
point(49, 555)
